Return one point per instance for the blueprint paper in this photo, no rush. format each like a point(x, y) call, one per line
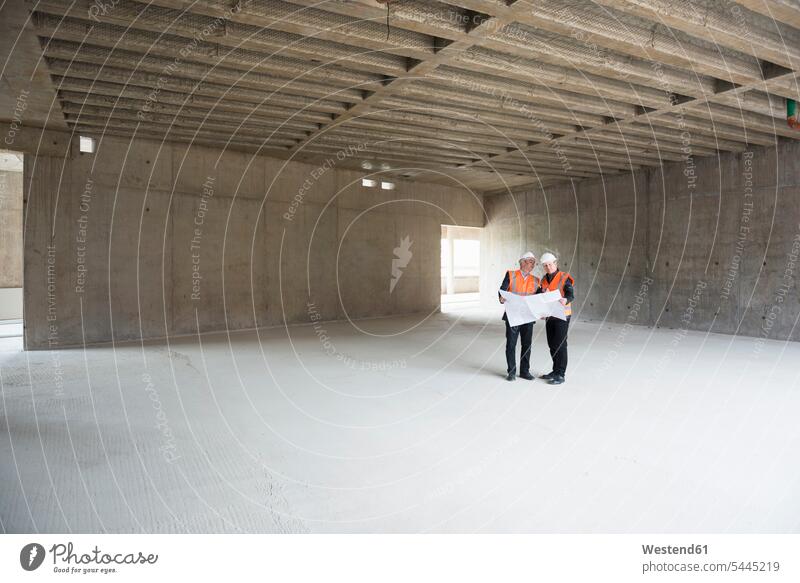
point(524, 309)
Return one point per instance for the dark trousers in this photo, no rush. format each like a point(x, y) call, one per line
point(557, 341)
point(525, 332)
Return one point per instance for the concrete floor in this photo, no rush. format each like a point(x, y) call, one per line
point(408, 428)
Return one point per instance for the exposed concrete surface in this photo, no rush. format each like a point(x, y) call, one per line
point(27, 95)
point(146, 239)
point(711, 244)
point(333, 430)
point(523, 82)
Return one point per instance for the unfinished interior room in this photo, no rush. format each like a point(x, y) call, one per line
point(399, 266)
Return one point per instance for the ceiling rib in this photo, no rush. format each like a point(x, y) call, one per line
point(488, 89)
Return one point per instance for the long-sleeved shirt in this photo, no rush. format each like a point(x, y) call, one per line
point(569, 291)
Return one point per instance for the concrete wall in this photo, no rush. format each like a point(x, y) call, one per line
point(149, 240)
point(705, 244)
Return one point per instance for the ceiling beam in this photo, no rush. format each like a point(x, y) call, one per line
point(630, 35)
point(787, 11)
point(58, 20)
point(424, 67)
point(681, 108)
point(198, 106)
point(742, 30)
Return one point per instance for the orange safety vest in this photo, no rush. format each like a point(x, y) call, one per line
point(557, 283)
point(524, 286)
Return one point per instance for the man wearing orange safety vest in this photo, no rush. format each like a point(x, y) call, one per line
point(556, 329)
point(522, 282)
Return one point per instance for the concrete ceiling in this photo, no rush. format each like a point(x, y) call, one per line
point(487, 92)
point(27, 96)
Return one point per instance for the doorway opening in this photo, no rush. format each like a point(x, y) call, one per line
point(11, 250)
point(461, 255)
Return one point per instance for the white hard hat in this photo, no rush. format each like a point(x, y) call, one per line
point(528, 255)
point(549, 258)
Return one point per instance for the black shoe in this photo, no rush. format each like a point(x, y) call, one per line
point(557, 380)
point(548, 376)
point(526, 375)
point(511, 377)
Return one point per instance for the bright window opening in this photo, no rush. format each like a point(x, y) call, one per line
point(387, 185)
point(369, 182)
point(461, 253)
point(87, 145)
point(11, 248)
